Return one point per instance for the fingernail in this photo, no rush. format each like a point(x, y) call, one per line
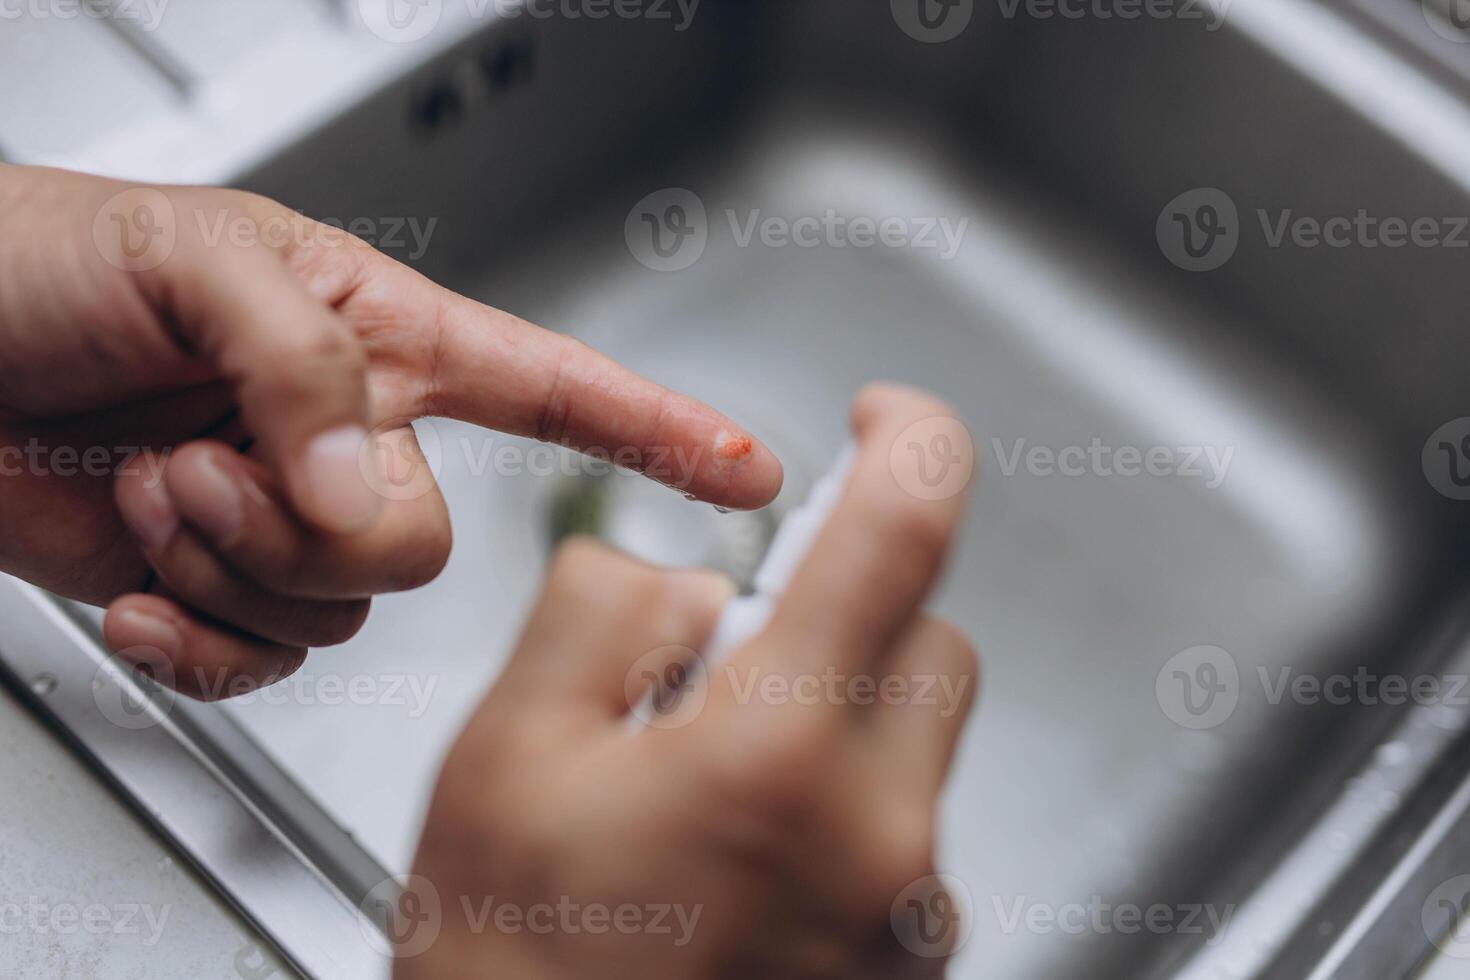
point(343, 500)
point(152, 517)
point(143, 630)
point(222, 514)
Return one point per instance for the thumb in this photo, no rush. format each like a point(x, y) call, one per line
point(297, 370)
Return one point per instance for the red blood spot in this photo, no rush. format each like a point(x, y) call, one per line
point(734, 448)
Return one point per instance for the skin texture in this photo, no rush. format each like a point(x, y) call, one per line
point(791, 827)
point(236, 561)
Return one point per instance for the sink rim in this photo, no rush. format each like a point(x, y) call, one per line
point(353, 880)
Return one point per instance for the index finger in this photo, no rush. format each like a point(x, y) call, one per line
point(496, 370)
point(883, 547)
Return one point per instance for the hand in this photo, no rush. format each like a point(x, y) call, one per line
point(771, 836)
point(253, 367)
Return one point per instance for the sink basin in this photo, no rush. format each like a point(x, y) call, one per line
point(1042, 174)
point(1291, 391)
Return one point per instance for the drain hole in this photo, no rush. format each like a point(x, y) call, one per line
point(471, 83)
point(508, 65)
point(440, 106)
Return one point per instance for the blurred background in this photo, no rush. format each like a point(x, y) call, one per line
point(1194, 271)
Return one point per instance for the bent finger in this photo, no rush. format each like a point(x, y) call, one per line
point(297, 370)
point(199, 659)
point(201, 579)
point(235, 504)
point(606, 628)
point(924, 694)
point(883, 547)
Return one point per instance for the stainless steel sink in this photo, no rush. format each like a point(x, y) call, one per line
point(1291, 390)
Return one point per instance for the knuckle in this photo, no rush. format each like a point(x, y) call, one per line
point(554, 420)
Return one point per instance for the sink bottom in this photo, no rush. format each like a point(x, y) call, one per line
point(1081, 784)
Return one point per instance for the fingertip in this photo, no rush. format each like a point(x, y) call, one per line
point(747, 475)
point(145, 505)
point(330, 486)
point(136, 623)
point(767, 475)
point(922, 441)
point(879, 399)
point(199, 659)
point(878, 555)
point(206, 485)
